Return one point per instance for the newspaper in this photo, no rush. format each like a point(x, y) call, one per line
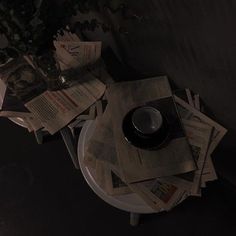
point(209, 173)
point(186, 111)
point(55, 109)
point(66, 35)
point(166, 192)
point(22, 77)
point(199, 137)
point(74, 54)
point(161, 193)
point(140, 164)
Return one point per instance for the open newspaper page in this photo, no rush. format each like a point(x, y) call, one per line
point(219, 131)
point(162, 193)
point(48, 109)
point(55, 109)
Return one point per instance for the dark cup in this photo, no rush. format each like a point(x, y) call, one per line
point(145, 127)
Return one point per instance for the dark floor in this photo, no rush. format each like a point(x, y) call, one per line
point(42, 194)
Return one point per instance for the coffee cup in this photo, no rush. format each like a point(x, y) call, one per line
point(147, 120)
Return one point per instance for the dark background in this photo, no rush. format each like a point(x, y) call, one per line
point(194, 43)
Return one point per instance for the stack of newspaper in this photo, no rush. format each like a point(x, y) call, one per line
point(120, 173)
point(26, 98)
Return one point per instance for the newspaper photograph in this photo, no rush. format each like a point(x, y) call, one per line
point(22, 80)
point(159, 194)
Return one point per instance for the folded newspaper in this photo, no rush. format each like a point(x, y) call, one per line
point(163, 192)
point(138, 164)
point(27, 96)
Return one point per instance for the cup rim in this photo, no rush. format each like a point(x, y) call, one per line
point(158, 116)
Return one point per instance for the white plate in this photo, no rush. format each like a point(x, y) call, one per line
point(17, 120)
point(128, 202)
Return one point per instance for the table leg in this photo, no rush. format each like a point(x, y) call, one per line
point(39, 136)
point(69, 142)
point(134, 219)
